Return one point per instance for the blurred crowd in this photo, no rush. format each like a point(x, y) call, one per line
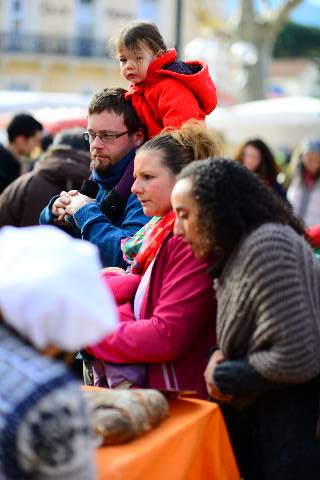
point(36, 165)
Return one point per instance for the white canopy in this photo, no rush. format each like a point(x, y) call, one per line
point(18, 101)
point(280, 122)
point(54, 110)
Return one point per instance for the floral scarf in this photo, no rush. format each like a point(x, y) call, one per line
point(141, 249)
point(130, 246)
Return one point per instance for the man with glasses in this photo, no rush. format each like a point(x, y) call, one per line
point(113, 132)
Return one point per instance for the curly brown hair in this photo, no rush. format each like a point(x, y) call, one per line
point(232, 202)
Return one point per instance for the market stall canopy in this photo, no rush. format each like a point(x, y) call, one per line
point(55, 111)
point(280, 122)
point(16, 101)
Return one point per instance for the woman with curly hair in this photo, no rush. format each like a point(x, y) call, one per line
point(266, 372)
point(257, 157)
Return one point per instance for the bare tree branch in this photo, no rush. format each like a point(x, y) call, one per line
point(283, 11)
point(258, 23)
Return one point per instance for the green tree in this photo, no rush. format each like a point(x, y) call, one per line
point(297, 41)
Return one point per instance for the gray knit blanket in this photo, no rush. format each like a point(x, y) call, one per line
point(269, 305)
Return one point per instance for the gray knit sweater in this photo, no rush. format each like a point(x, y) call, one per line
point(269, 305)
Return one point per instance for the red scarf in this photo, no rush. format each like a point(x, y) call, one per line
point(153, 242)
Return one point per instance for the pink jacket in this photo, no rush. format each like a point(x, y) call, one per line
point(177, 324)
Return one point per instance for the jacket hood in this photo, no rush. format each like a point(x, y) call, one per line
point(199, 81)
point(63, 163)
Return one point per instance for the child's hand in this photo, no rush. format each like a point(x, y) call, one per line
point(113, 269)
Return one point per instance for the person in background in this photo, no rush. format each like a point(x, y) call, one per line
point(304, 186)
point(24, 134)
point(46, 140)
point(164, 92)
point(266, 370)
point(163, 338)
point(45, 426)
point(113, 132)
point(257, 157)
point(63, 167)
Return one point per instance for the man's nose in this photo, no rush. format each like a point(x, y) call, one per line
point(97, 142)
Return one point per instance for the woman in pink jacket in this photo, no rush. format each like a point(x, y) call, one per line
point(170, 324)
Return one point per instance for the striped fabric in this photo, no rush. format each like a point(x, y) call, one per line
point(269, 305)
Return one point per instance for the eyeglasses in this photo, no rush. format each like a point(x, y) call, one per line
point(104, 137)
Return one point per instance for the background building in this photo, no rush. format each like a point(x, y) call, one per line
point(60, 45)
point(294, 77)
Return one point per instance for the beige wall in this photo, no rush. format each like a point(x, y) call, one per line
point(114, 15)
point(58, 19)
point(55, 17)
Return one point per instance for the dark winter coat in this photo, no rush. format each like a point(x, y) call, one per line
point(61, 168)
point(9, 167)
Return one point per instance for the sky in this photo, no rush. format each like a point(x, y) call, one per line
point(308, 13)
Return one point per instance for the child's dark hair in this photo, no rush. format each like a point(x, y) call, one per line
point(136, 33)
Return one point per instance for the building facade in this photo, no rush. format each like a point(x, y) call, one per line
point(61, 45)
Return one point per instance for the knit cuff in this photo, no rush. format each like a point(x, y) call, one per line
point(236, 377)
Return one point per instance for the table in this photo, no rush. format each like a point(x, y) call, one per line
point(192, 444)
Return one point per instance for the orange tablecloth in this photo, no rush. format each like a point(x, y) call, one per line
point(192, 444)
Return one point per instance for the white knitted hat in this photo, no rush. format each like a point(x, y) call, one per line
point(50, 288)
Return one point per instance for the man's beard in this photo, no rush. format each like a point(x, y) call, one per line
point(102, 170)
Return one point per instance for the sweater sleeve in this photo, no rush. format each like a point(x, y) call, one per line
point(275, 313)
point(184, 301)
point(238, 377)
point(287, 313)
point(98, 229)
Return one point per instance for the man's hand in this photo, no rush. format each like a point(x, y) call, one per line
point(216, 358)
point(59, 206)
point(76, 201)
